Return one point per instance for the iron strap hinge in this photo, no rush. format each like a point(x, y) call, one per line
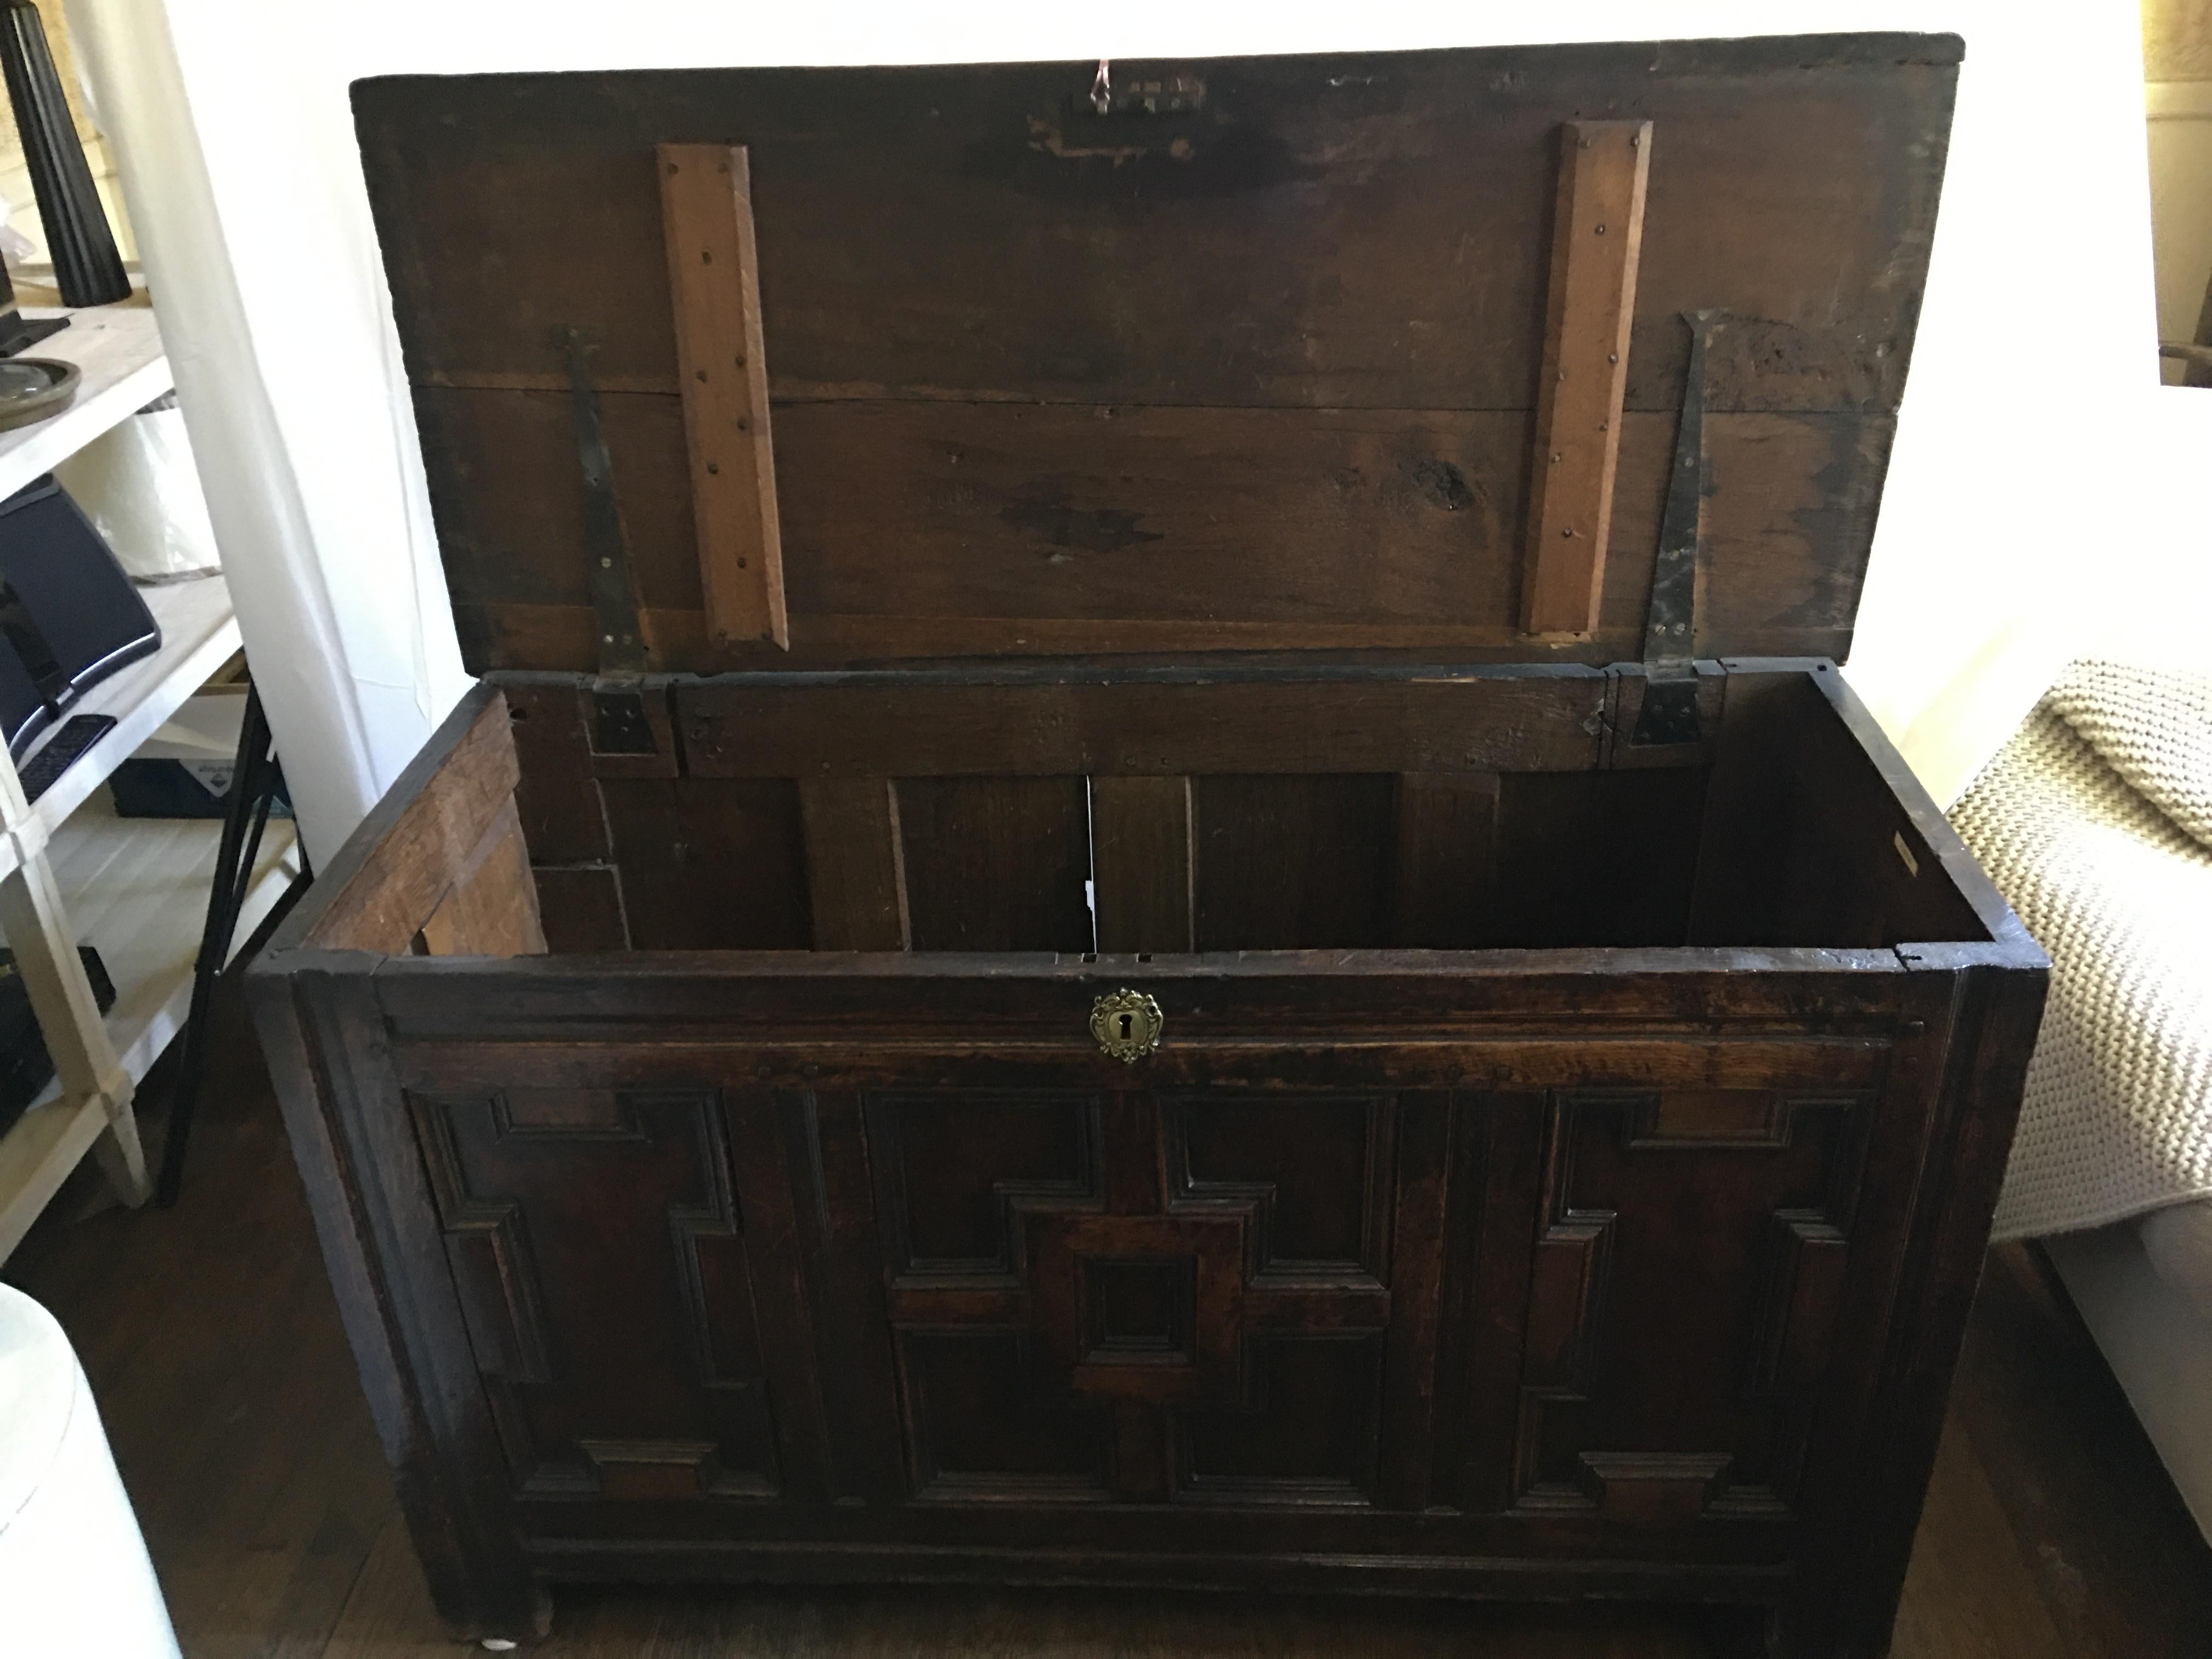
point(1669, 710)
point(623, 650)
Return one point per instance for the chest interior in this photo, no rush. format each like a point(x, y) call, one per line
point(1165, 813)
point(1396, 501)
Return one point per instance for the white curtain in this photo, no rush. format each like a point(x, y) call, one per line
point(2018, 499)
point(231, 130)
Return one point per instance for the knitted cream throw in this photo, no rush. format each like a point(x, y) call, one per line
point(2096, 823)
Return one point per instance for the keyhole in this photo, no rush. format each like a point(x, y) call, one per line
point(1124, 1028)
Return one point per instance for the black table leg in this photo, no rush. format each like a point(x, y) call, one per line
point(254, 783)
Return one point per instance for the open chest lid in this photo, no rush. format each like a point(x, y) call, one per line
point(1438, 354)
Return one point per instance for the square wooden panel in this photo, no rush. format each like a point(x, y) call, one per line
point(1684, 1295)
point(1072, 1258)
point(1136, 1311)
point(607, 1285)
point(1195, 1275)
point(1306, 1432)
point(952, 1166)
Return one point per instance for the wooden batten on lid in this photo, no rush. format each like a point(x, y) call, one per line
point(1312, 357)
point(1596, 232)
point(713, 275)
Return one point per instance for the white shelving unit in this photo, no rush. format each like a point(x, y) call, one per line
point(137, 889)
point(118, 350)
point(73, 873)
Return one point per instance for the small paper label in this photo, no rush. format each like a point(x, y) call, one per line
point(1911, 864)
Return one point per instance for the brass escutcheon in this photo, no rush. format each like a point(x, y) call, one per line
point(1127, 1024)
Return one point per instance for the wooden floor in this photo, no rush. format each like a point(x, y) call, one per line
point(216, 1354)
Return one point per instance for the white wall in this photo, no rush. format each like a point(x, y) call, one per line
point(2181, 204)
point(2011, 488)
point(232, 133)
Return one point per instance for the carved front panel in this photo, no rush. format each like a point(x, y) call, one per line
point(1687, 1280)
point(602, 1266)
point(1138, 1297)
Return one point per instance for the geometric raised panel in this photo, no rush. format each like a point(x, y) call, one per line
point(952, 1166)
point(1305, 1432)
point(1150, 1298)
point(551, 1199)
point(1317, 1166)
point(977, 1427)
point(1798, 1305)
point(1664, 1488)
point(1136, 1311)
point(1566, 1304)
point(1683, 1296)
point(1193, 1266)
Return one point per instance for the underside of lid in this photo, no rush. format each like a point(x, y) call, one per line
point(1160, 360)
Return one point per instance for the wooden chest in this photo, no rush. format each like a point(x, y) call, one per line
point(1161, 876)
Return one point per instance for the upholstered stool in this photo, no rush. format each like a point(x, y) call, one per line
point(74, 1574)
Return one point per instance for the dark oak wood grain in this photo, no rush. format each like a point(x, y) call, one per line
point(1792, 167)
point(491, 908)
point(1024, 530)
point(1122, 364)
point(218, 1357)
point(1142, 863)
point(1388, 1254)
point(1560, 1165)
point(710, 862)
point(996, 863)
point(581, 907)
point(382, 889)
point(1118, 724)
point(855, 863)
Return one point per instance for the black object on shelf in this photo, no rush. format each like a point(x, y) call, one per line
point(179, 789)
point(87, 267)
point(17, 331)
point(69, 617)
point(63, 751)
point(25, 1067)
